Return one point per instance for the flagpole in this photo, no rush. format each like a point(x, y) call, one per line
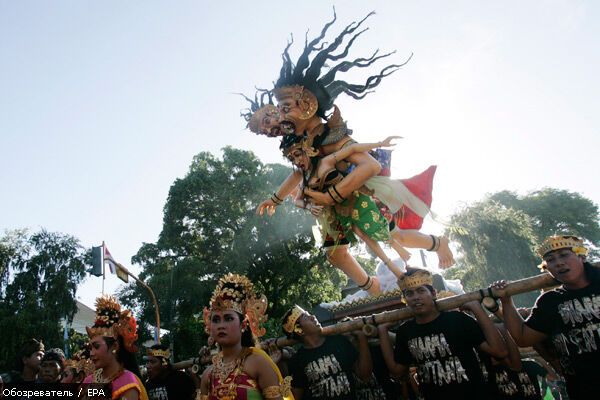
point(103, 268)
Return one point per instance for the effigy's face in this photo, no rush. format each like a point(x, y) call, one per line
point(297, 107)
point(265, 121)
point(299, 159)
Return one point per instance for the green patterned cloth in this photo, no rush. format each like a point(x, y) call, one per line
point(361, 210)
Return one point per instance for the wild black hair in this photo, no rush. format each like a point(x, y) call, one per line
point(308, 73)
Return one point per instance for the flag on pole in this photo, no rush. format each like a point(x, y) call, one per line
point(112, 264)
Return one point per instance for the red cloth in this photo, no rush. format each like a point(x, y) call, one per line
point(420, 185)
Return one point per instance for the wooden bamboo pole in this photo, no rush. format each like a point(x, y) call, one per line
point(540, 281)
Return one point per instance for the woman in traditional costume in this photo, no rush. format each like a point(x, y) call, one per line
point(240, 370)
point(112, 350)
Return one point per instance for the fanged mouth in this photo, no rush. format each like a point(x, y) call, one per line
point(288, 127)
point(275, 131)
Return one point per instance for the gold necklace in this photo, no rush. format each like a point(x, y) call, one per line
point(224, 370)
point(98, 378)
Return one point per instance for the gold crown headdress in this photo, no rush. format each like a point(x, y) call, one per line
point(289, 143)
point(289, 324)
point(112, 322)
point(236, 293)
point(558, 242)
point(419, 278)
point(158, 353)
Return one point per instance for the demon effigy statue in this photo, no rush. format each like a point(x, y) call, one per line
point(316, 138)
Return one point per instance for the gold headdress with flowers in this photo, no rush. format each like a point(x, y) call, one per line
point(558, 242)
point(419, 278)
point(112, 322)
point(81, 362)
point(552, 243)
point(236, 292)
point(289, 323)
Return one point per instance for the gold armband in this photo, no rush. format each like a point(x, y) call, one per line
point(272, 392)
point(282, 390)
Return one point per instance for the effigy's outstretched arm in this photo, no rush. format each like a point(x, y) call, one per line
point(288, 185)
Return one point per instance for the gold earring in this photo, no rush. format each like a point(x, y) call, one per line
point(114, 351)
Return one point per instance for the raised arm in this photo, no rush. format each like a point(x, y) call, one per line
point(364, 365)
point(288, 185)
point(396, 370)
point(524, 336)
point(329, 161)
point(494, 344)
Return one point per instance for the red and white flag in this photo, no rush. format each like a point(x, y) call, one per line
point(112, 264)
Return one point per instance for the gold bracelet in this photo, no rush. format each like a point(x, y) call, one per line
point(272, 392)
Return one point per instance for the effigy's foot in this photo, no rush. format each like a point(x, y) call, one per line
point(445, 256)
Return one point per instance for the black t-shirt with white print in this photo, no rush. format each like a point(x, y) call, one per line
point(325, 372)
point(514, 385)
point(444, 352)
point(571, 318)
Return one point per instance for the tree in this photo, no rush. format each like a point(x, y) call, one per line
point(41, 273)
point(210, 228)
point(555, 211)
point(503, 230)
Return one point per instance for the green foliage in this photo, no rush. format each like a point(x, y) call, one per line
point(554, 211)
point(503, 229)
point(76, 341)
point(40, 276)
point(210, 228)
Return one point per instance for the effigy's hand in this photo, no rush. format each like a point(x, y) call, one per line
point(268, 205)
point(318, 198)
point(387, 142)
point(314, 209)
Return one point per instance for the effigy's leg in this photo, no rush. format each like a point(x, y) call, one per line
point(340, 258)
point(402, 252)
point(416, 239)
point(374, 245)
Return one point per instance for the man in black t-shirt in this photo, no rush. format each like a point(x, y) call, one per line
point(164, 382)
point(442, 345)
point(569, 314)
point(323, 367)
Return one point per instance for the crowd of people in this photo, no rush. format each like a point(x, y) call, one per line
point(466, 353)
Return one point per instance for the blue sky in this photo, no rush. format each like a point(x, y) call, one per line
point(103, 104)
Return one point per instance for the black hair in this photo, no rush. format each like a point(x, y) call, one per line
point(592, 272)
point(248, 339)
point(307, 72)
point(55, 355)
point(28, 347)
point(123, 356)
